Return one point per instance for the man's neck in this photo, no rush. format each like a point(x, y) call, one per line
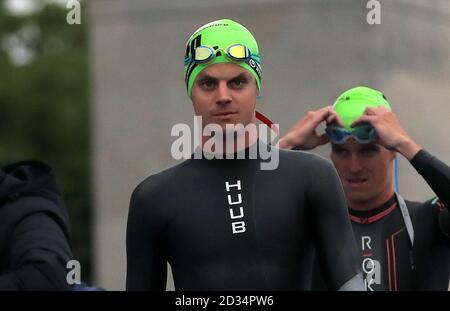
point(370, 204)
point(229, 144)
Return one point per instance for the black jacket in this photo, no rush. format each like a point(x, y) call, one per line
point(34, 233)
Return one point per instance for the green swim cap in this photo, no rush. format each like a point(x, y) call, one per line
point(351, 104)
point(220, 34)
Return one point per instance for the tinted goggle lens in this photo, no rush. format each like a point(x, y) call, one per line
point(237, 52)
point(336, 135)
point(363, 134)
point(203, 54)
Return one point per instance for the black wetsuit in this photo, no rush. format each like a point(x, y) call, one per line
point(389, 261)
point(228, 225)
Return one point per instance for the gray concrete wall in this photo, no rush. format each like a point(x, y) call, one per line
point(311, 51)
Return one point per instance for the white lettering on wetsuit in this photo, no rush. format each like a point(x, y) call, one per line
point(236, 213)
point(366, 243)
point(370, 267)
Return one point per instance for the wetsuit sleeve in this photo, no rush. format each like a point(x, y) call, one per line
point(437, 175)
point(338, 256)
point(146, 259)
point(38, 253)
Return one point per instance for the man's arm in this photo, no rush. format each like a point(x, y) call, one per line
point(146, 254)
point(392, 136)
point(337, 252)
point(38, 253)
point(435, 172)
point(303, 135)
point(437, 175)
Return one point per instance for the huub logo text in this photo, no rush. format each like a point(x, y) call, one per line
point(234, 199)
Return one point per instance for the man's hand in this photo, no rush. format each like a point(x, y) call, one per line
point(303, 135)
point(389, 131)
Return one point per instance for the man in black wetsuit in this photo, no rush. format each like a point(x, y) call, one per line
point(227, 224)
point(404, 245)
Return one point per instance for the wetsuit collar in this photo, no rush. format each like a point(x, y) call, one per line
point(375, 213)
point(252, 152)
point(366, 217)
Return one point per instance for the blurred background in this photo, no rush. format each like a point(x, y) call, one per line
point(45, 103)
point(97, 100)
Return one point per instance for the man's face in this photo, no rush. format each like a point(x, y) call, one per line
point(225, 93)
point(365, 171)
